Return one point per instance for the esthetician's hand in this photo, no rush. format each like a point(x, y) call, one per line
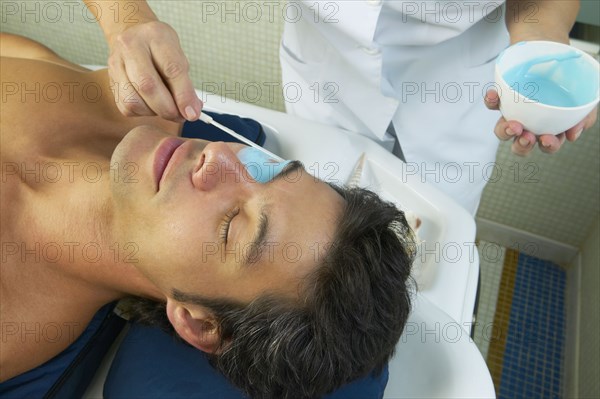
point(524, 140)
point(149, 73)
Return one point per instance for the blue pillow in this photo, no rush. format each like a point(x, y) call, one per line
point(152, 364)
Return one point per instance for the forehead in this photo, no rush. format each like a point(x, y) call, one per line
point(304, 215)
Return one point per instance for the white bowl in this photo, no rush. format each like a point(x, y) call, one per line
point(528, 102)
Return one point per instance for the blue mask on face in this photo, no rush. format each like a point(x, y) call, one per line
point(259, 165)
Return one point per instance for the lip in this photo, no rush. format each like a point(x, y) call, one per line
point(163, 156)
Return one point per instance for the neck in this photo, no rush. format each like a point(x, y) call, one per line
point(76, 239)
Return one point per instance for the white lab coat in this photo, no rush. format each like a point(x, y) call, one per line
point(423, 65)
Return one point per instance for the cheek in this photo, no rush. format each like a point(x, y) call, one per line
point(181, 229)
point(187, 233)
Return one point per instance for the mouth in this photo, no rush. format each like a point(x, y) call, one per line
point(163, 156)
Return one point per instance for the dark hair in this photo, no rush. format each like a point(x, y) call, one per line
point(351, 313)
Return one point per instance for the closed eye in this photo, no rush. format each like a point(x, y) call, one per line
point(225, 226)
point(288, 170)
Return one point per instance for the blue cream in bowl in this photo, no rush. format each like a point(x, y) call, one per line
point(548, 87)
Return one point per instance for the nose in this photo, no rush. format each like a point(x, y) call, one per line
point(219, 167)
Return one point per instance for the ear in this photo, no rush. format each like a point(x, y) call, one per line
point(195, 325)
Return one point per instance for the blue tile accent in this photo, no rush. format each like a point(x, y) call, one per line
point(532, 365)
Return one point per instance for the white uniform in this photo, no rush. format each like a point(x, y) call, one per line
point(422, 65)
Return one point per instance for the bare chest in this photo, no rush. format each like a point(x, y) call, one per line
point(42, 312)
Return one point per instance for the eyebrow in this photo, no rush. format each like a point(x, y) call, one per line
point(260, 238)
point(290, 168)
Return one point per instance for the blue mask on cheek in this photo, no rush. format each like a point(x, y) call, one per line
point(259, 165)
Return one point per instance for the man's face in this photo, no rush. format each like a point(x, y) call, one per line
point(202, 225)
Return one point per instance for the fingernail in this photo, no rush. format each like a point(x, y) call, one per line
point(190, 113)
point(545, 144)
point(509, 132)
point(523, 141)
point(578, 134)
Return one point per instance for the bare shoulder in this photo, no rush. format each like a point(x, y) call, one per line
point(48, 108)
point(42, 99)
point(15, 46)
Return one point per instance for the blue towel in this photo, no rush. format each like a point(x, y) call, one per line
point(246, 127)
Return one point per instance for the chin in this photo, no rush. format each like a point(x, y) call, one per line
point(137, 146)
point(131, 165)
